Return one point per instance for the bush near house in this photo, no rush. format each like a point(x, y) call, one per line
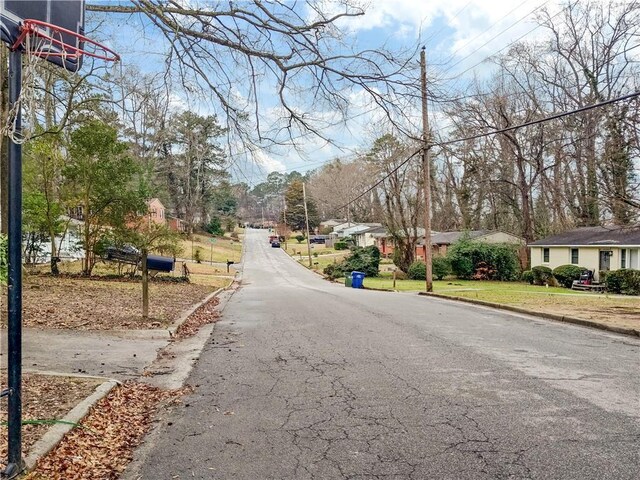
point(470, 259)
point(566, 274)
point(366, 260)
point(417, 271)
point(340, 245)
point(440, 268)
point(527, 276)
point(542, 275)
point(625, 281)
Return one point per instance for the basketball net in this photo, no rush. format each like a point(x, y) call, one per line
point(37, 48)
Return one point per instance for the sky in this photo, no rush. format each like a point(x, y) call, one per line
point(459, 36)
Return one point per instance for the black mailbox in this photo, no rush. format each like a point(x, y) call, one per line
point(160, 264)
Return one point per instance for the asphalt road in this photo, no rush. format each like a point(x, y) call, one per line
point(303, 379)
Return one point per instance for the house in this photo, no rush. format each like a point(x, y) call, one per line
point(369, 237)
point(176, 224)
point(441, 241)
point(386, 243)
point(156, 211)
point(595, 248)
point(329, 224)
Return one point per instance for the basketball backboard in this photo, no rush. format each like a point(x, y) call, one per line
point(68, 14)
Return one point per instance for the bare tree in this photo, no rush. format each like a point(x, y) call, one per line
point(234, 51)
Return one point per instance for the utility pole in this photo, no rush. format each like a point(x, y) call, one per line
point(284, 220)
point(426, 171)
point(306, 218)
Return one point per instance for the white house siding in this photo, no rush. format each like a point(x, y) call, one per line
point(588, 257)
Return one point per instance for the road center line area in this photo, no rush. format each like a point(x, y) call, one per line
point(307, 379)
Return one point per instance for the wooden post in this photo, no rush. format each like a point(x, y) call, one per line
point(145, 285)
point(395, 270)
point(306, 217)
point(426, 171)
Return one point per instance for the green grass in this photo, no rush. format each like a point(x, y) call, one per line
point(221, 250)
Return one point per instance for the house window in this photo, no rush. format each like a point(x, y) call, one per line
point(623, 258)
point(545, 255)
point(574, 256)
point(633, 258)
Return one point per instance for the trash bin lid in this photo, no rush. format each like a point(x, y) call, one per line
point(357, 273)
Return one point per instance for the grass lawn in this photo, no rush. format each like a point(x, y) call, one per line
point(221, 250)
point(611, 309)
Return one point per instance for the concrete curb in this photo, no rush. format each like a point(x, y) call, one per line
point(55, 434)
point(187, 313)
point(552, 316)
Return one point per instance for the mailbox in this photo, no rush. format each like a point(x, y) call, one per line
point(160, 264)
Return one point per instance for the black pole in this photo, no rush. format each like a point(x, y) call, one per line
point(14, 325)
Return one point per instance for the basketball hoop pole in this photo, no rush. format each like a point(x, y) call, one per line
point(14, 300)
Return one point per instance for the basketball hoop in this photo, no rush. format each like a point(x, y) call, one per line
point(42, 40)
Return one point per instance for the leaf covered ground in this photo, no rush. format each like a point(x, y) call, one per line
point(103, 445)
point(45, 398)
point(88, 304)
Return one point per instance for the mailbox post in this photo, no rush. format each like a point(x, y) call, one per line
point(145, 285)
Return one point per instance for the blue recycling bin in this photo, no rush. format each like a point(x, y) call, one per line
point(357, 279)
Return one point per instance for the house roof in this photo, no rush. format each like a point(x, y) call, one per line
point(593, 236)
point(376, 229)
point(447, 238)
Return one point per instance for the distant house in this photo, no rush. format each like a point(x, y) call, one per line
point(386, 243)
point(176, 224)
point(156, 211)
point(441, 241)
point(370, 236)
point(595, 248)
point(332, 222)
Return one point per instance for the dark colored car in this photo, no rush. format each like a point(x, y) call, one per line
point(125, 253)
point(275, 244)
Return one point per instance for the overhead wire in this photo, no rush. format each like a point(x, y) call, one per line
point(493, 132)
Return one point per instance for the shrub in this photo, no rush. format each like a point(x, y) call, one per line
point(333, 271)
point(541, 275)
point(471, 259)
point(366, 260)
point(417, 271)
point(527, 276)
point(625, 281)
point(197, 256)
point(400, 275)
point(566, 274)
point(300, 238)
point(340, 245)
point(441, 267)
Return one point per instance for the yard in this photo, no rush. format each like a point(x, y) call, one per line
point(100, 304)
point(212, 249)
point(611, 309)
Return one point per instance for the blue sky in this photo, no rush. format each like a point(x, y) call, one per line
point(459, 36)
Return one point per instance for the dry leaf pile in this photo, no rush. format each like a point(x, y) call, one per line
point(102, 447)
point(81, 304)
point(44, 397)
point(204, 315)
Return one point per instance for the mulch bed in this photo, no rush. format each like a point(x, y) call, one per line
point(82, 304)
point(102, 447)
point(45, 397)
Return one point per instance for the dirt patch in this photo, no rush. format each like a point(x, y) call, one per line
point(45, 398)
point(103, 446)
point(64, 302)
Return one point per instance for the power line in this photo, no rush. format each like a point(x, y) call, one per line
point(495, 36)
point(495, 132)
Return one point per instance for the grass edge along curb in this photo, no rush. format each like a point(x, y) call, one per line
point(56, 433)
point(552, 316)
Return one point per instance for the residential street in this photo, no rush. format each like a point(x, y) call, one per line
point(304, 379)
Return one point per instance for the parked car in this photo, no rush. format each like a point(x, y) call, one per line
point(124, 253)
point(275, 244)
